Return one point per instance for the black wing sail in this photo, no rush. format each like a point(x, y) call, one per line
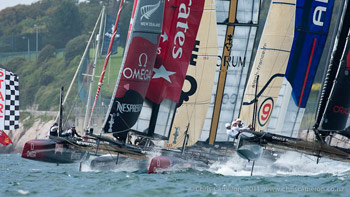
point(338, 107)
point(334, 101)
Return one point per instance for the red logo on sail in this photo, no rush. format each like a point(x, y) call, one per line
point(341, 110)
point(137, 71)
point(180, 27)
point(265, 111)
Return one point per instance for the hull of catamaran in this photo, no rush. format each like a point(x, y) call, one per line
point(248, 147)
point(53, 151)
point(113, 162)
point(314, 148)
point(167, 163)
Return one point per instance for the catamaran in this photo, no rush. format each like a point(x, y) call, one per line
point(211, 99)
point(331, 117)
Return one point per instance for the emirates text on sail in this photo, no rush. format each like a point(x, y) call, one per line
point(181, 27)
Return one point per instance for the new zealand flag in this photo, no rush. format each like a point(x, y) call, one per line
point(109, 26)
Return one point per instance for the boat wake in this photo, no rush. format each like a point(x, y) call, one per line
point(289, 163)
point(113, 163)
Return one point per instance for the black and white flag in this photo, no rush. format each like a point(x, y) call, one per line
point(9, 100)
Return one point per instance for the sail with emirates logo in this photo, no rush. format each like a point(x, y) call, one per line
point(195, 97)
point(180, 27)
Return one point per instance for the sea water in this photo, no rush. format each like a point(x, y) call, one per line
point(290, 175)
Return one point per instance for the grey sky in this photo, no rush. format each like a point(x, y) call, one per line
point(9, 3)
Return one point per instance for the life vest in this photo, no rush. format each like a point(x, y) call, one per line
point(53, 131)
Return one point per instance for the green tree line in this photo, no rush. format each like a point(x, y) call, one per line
point(61, 24)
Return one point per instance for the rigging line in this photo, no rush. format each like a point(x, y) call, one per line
point(72, 108)
point(122, 131)
point(275, 49)
point(125, 124)
point(252, 58)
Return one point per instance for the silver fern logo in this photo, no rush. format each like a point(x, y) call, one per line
point(148, 10)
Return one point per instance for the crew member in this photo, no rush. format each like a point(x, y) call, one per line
point(53, 130)
point(236, 128)
point(71, 133)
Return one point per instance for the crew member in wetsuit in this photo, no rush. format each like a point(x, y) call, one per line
point(71, 132)
point(236, 128)
point(53, 130)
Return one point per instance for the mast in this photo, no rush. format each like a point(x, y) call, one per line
point(93, 71)
point(60, 129)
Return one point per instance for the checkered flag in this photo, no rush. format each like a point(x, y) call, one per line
point(9, 101)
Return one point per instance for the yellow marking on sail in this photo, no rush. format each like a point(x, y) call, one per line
point(223, 71)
